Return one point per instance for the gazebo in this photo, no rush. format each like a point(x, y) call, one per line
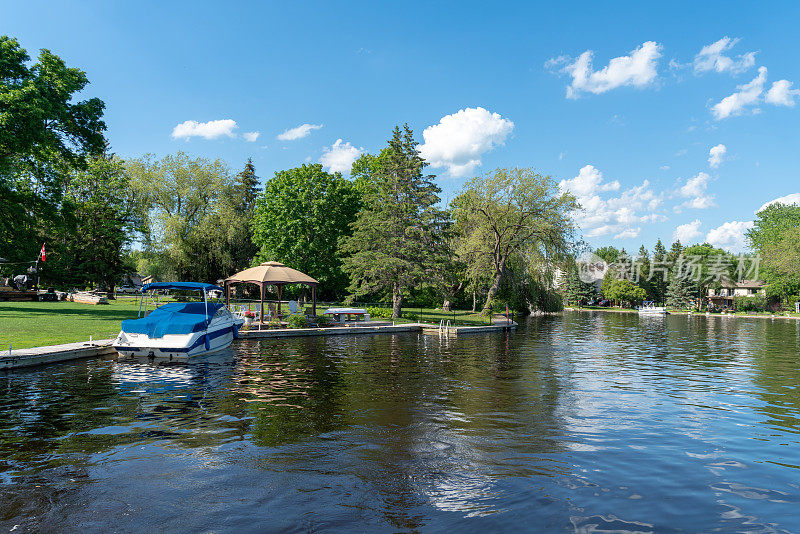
point(275, 274)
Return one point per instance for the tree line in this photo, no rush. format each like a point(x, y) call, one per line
point(381, 235)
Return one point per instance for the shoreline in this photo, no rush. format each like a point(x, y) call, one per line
point(699, 314)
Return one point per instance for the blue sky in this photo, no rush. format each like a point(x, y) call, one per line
point(494, 84)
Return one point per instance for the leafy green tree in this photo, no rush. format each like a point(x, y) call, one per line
point(299, 219)
point(186, 207)
point(775, 236)
point(399, 227)
point(101, 210)
point(624, 291)
point(608, 253)
point(45, 134)
point(512, 211)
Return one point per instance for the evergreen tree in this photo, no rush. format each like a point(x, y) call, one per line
point(680, 292)
point(246, 184)
point(658, 273)
point(643, 272)
point(394, 235)
point(576, 291)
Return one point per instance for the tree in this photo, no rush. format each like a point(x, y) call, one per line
point(659, 271)
point(240, 215)
point(299, 219)
point(45, 135)
point(774, 236)
point(186, 208)
point(101, 208)
point(510, 211)
point(609, 254)
point(400, 225)
point(680, 292)
point(624, 291)
point(575, 290)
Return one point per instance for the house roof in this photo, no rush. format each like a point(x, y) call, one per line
point(744, 284)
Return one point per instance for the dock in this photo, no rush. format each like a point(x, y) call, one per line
point(18, 358)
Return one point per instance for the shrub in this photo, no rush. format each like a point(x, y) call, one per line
point(380, 312)
point(297, 320)
point(323, 320)
point(750, 304)
point(411, 316)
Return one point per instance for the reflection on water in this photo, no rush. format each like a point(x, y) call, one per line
point(587, 422)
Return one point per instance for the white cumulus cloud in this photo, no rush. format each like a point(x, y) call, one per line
point(207, 130)
point(639, 69)
point(695, 190)
point(781, 94)
point(793, 198)
point(251, 137)
point(339, 157)
point(712, 57)
point(459, 140)
point(748, 94)
point(730, 236)
point(685, 233)
point(298, 132)
point(716, 155)
point(613, 215)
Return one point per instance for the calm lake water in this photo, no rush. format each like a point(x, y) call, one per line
point(584, 422)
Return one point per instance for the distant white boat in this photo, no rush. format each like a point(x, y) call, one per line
point(648, 307)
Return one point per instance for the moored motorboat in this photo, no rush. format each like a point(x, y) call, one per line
point(178, 329)
point(648, 307)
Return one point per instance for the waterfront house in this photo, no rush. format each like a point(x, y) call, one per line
point(725, 295)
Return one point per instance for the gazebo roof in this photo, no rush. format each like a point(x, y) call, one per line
point(271, 272)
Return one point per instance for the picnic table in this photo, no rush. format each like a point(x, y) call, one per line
point(339, 313)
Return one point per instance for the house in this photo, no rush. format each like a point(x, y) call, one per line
point(724, 296)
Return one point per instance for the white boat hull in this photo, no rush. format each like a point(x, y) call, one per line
point(179, 346)
point(653, 311)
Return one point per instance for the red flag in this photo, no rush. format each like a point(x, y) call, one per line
point(41, 254)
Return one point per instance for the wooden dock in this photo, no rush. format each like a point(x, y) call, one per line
point(54, 353)
point(18, 358)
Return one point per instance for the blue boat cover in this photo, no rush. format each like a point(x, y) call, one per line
point(186, 286)
point(174, 318)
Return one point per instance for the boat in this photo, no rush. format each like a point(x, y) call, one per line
point(177, 330)
point(87, 297)
point(649, 307)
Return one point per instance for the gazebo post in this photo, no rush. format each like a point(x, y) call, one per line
point(280, 291)
point(261, 307)
point(314, 300)
point(227, 293)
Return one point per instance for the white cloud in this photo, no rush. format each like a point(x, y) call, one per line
point(781, 94)
point(637, 69)
point(459, 140)
point(298, 132)
point(618, 216)
point(730, 236)
point(747, 95)
point(712, 57)
point(685, 233)
point(664, 168)
point(695, 190)
point(628, 233)
point(588, 181)
point(251, 137)
point(207, 130)
point(716, 155)
point(339, 157)
point(793, 198)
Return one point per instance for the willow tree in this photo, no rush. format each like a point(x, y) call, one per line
point(512, 211)
point(397, 234)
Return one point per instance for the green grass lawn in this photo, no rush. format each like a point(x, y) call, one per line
point(34, 324)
